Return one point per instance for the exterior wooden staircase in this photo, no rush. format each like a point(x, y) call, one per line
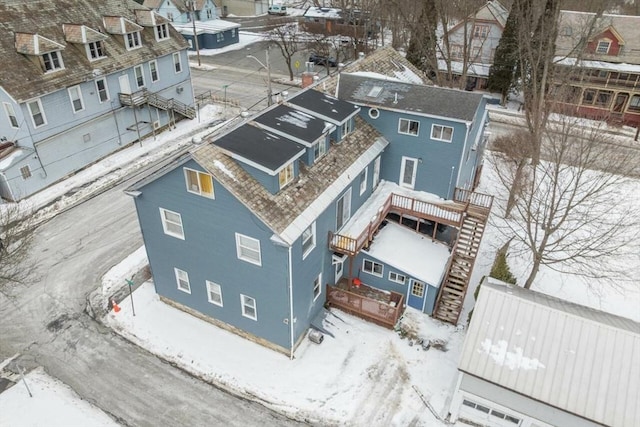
point(463, 255)
point(145, 97)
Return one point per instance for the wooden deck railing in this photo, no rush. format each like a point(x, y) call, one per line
point(385, 314)
point(475, 199)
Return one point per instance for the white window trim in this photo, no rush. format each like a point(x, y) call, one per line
point(345, 208)
point(158, 32)
point(164, 224)
point(433, 126)
point(11, 112)
point(373, 264)
point(424, 288)
point(54, 69)
point(138, 37)
point(414, 175)
point(243, 257)
point(135, 76)
point(179, 62)
point(363, 183)
point(313, 239)
point(374, 113)
point(106, 90)
point(177, 272)
point(319, 279)
point(157, 71)
point(96, 43)
point(199, 192)
point(44, 117)
point(396, 280)
point(243, 304)
point(598, 47)
point(322, 149)
point(400, 120)
point(77, 87)
point(218, 290)
point(289, 172)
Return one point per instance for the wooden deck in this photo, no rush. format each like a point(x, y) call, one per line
point(380, 307)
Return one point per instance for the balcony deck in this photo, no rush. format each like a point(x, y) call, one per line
point(377, 306)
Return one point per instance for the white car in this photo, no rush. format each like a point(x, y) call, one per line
point(277, 9)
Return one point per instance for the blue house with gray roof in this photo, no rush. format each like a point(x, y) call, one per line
point(256, 230)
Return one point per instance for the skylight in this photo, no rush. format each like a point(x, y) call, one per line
point(375, 91)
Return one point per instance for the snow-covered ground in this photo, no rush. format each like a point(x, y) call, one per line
point(52, 404)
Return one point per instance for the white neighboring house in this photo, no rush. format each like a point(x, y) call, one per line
point(533, 360)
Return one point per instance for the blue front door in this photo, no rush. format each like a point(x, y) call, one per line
point(417, 293)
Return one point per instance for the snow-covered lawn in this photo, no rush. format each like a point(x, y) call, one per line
point(364, 375)
point(53, 404)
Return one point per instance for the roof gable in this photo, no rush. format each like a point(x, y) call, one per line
point(120, 25)
point(148, 18)
point(609, 30)
point(35, 44)
point(74, 33)
point(565, 355)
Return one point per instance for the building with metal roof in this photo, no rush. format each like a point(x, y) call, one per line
point(530, 359)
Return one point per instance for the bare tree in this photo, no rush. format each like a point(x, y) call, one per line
point(573, 211)
point(288, 39)
point(16, 237)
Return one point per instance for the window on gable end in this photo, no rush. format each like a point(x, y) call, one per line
point(249, 308)
point(172, 223)
point(214, 293)
point(182, 280)
point(177, 64)
point(248, 249)
point(317, 287)
point(603, 47)
point(442, 133)
point(199, 183)
point(308, 240)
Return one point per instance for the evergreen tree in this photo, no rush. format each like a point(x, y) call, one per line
point(422, 46)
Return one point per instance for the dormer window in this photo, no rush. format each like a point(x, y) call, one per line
point(346, 128)
point(95, 50)
point(52, 61)
point(286, 175)
point(162, 32)
point(132, 40)
point(319, 149)
point(603, 47)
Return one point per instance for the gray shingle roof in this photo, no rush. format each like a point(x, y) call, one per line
point(22, 76)
point(399, 96)
point(572, 357)
point(325, 106)
point(297, 124)
point(279, 211)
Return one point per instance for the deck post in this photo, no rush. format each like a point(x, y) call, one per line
point(350, 271)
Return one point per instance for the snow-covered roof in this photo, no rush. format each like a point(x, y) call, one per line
point(571, 357)
point(11, 156)
point(212, 26)
point(598, 65)
point(397, 246)
point(323, 12)
point(473, 69)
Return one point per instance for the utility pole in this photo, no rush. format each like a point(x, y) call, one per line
point(267, 66)
point(195, 35)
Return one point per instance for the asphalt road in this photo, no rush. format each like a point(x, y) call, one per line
point(46, 323)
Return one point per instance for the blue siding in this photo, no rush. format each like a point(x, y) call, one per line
point(214, 40)
point(209, 253)
point(270, 182)
point(474, 148)
point(438, 161)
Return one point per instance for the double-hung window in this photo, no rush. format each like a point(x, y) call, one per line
point(133, 40)
point(96, 50)
point(172, 223)
point(214, 293)
point(103, 92)
point(372, 267)
point(603, 47)
point(52, 61)
point(441, 133)
point(248, 249)
point(177, 64)
point(75, 94)
point(11, 114)
point(182, 280)
point(308, 240)
point(153, 70)
point(249, 308)
point(139, 74)
point(37, 113)
point(408, 127)
point(162, 32)
point(199, 183)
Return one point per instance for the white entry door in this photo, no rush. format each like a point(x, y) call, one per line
point(408, 172)
point(125, 87)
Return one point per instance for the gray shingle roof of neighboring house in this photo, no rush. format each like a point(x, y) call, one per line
point(39, 24)
point(385, 61)
point(399, 96)
point(290, 211)
point(181, 5)
point(260, 148)
point(300, 126)
point(572, 357)
point(574, 26)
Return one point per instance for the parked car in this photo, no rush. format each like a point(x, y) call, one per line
point(277, 9)
point(322, 60)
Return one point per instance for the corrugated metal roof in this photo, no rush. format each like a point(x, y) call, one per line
point(581, 360)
